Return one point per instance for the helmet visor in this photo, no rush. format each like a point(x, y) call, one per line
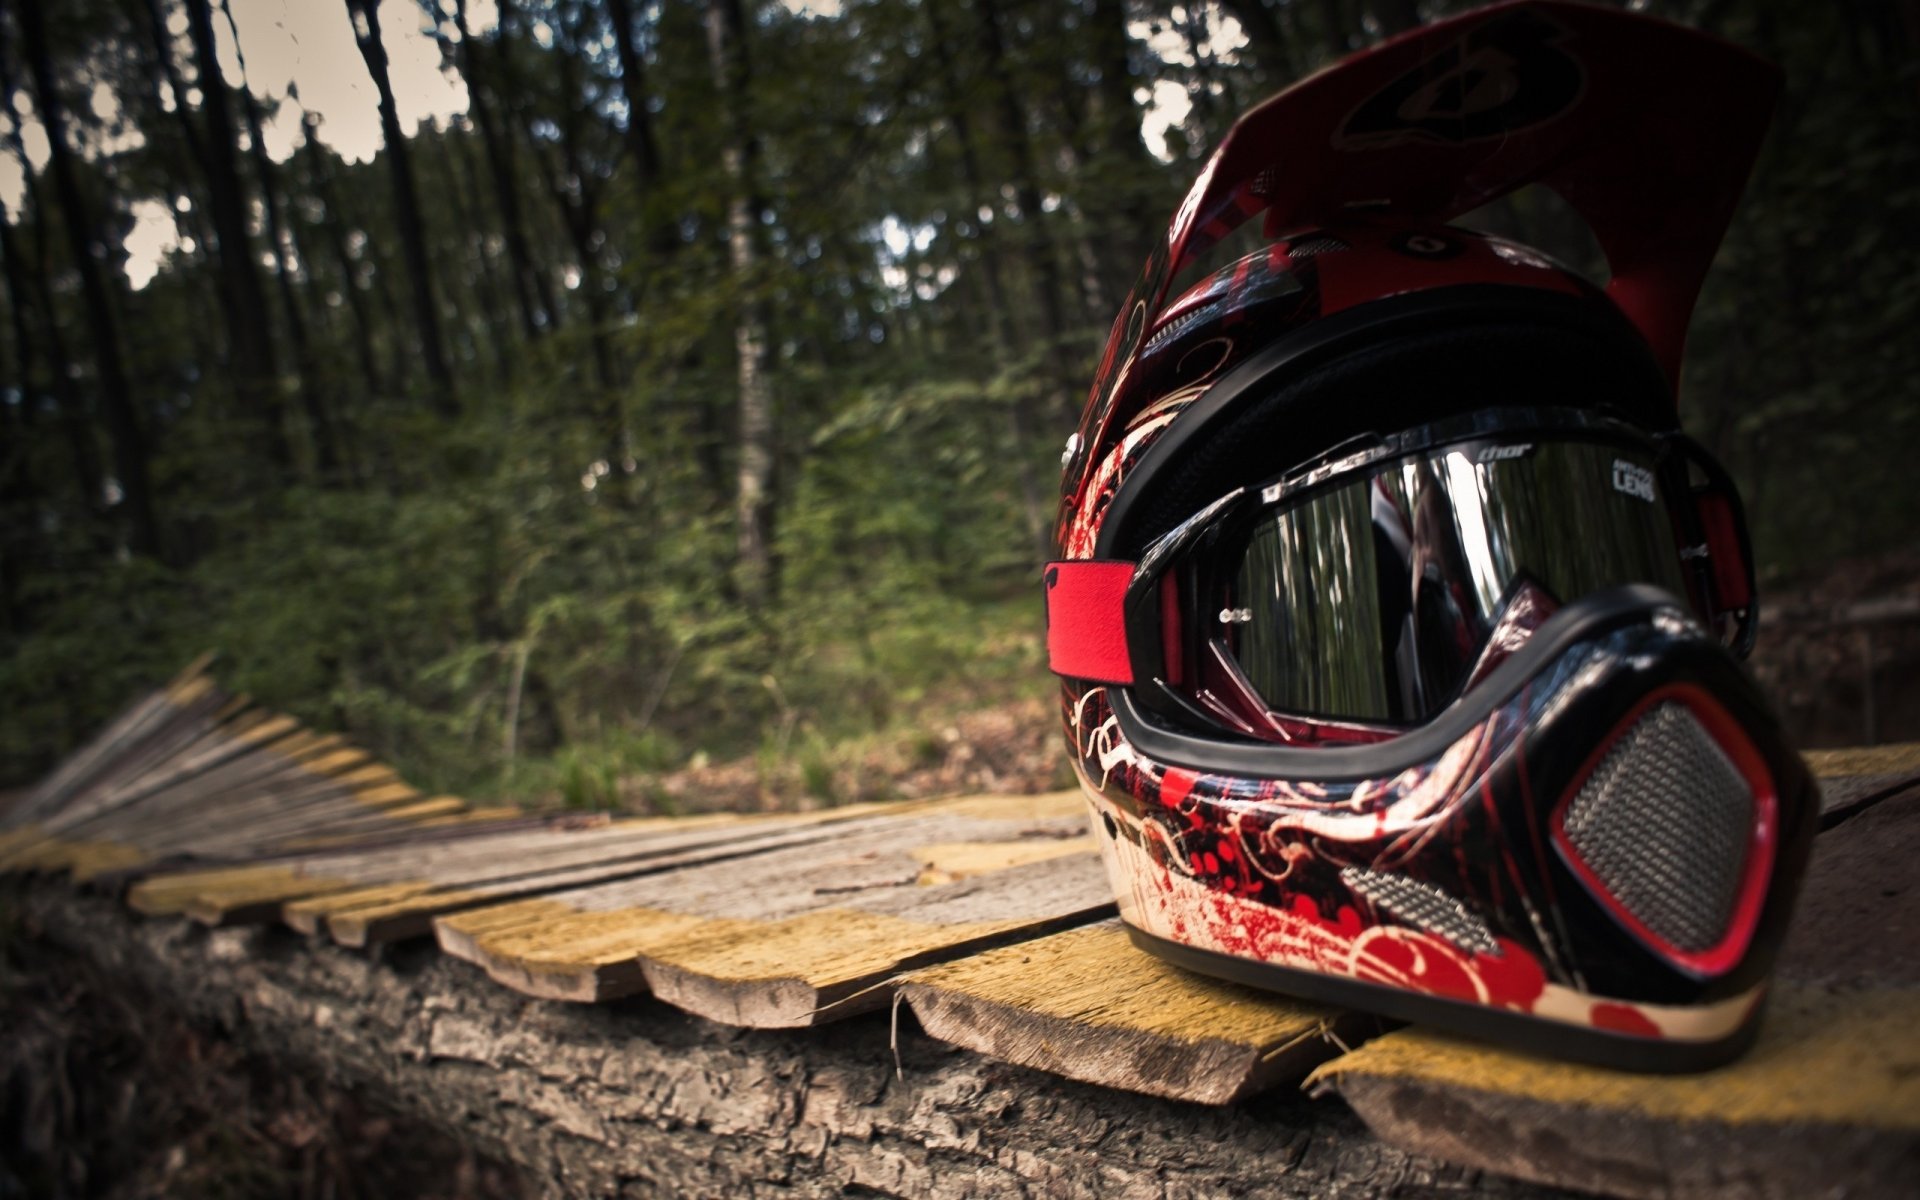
point(1383, 593)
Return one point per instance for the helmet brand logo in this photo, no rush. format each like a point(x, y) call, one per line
point(1502, 77)
point(1633, 481)
point(1502, 453)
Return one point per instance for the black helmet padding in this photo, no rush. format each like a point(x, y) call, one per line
point(1387, 366)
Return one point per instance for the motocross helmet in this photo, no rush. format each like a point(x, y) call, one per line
point(1397, 620)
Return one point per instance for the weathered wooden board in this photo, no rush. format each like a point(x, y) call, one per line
point(1087, 1005)
point(189, 772)
point(232, 893)
point(108, 749)
point(810, 933)
point(1862, 774)
point(385, 892)
point(405, 909)
point(1827, 1102)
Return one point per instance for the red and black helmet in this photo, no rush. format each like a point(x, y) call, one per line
point(1397, 619)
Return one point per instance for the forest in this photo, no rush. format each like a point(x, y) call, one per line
point(693, 389)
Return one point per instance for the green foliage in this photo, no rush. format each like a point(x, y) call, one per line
point(535, 597)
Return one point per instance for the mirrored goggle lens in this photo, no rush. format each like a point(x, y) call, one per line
point(1379, 599)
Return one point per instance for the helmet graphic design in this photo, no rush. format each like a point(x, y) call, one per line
point(1396, 619)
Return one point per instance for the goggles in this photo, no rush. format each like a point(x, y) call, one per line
point(1359, 595)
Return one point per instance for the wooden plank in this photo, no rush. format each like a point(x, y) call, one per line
point(121, 737)
point(809, 934)
point(395, 912)
point(404, 907)
point(1861, 775)
point(1826, 1103)
point(238, 894)
point(1087, 1005)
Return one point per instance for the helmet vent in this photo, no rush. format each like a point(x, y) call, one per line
point(1422, 905)
point(1180, 324)
point(1310, 247)
point(1664, 823)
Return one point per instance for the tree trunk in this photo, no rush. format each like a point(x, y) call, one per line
point(530, 290)
point(1037, 247)
point(727, 50)
point(1266, 45)
point(640, 1099)
point(1127, 203)
point(37, 322)
point(1020, 417)
point(319, 420)
point(1395, 16)
point(1337, 29)
point(466, 182)
point(406, 208)
point(87, 249)
point(256, 377)
point(579, 212)
point(661, 238)
point(332, 230)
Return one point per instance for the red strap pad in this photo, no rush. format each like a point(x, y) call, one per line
point(1086, 621)
point(1730, 590)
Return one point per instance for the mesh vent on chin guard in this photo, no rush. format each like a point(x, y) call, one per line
point(1664, 823)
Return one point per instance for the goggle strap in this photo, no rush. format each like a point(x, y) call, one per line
point(1086, 620)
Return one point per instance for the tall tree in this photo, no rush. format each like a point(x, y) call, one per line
point(333, 232)
point(1125, 198)
point(36, 323)
point(1266, 42)
point(753, 509)
point(365, 15)
point(532, 295)
point(978, 195)
point(87, 247)
point(256, 375)
point(1010, 121)
point(577, 190)
point(320, 426)
point(633, 86)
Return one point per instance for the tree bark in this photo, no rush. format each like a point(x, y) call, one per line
point(1038, 248)
point(531, 292)
point(1395, 16)
point(331, 227)
point(579, 198)
point(1265, 41)
point(660, 235)
point(320, 427)
point(87, 249)
point(36, 319)
point(466, 182)
point(753, 508)
point(1020, 416)
point(1127, 205)
point(1336, 28)
point(256, 376)
point(365, 15)
point(633, 86)
point(640, 1099)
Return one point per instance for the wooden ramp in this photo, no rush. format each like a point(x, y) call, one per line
point(988, 919)
point(1826, 1104)
point(806, 932)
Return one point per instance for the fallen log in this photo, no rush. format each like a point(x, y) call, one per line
point(638, 1098)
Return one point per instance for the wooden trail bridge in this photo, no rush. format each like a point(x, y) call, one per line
point(312, 904)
